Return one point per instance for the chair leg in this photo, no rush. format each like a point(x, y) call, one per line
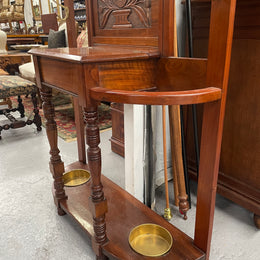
point(37, 119)
point(20, 106)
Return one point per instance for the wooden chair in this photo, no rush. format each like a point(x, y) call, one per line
point(12, 13)
point(183, 81)
point(17, 86)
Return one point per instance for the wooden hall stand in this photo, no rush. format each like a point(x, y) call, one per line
point(103, 72)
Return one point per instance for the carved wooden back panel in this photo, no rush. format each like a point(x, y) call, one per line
point(129, 22)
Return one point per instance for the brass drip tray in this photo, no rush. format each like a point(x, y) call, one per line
point(76, 177)
point(150, 240)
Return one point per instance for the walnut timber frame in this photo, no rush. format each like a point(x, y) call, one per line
point(113, 73)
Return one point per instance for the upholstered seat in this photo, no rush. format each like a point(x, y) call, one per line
point(17, 86)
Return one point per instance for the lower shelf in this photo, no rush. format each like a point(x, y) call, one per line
point(124, 213)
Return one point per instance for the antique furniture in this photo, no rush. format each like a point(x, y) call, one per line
point(239, 173)
point(115, 73)
point(36, 9)
point(80, 13)
point(12, 13)
point(17, 86)
point(117, 138)
point(18, 39)
point(10, 62)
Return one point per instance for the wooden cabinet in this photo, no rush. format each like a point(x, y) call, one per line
point(239, 176)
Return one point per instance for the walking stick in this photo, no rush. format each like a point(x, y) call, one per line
point(167, 211)
point(177, 150)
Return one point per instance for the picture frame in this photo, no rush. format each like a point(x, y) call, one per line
point(36, 9)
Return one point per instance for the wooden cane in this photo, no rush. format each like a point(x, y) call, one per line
point(167, 211)
point(174, 161)
point(176, 149)
point(174, 114)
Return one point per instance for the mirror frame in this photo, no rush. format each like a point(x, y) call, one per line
point(52, 11)
point(36, 18)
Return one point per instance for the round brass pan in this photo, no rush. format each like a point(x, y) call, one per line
point(150, 240)
point(75, 177)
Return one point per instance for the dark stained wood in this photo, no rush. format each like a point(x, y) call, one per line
point(71, 27)
point(257, 220)
point(239, 178)
point(181, 74)
point(177, 161)
point(145, 25)
point(117, 138)
point(56, 164)
point(219, 54)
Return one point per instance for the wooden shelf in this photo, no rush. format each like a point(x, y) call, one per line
point(124, 213)
point(80, 9)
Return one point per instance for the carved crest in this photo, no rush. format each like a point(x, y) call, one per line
point(120, 3)
point(141, 8)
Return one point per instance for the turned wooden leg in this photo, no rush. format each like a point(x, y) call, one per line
point(98, 204)
point(56, 164)
point(175, 128)
point(37, 119)
point(20, 106)
point(257, 221)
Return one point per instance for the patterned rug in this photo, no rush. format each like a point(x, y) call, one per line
point(64, 115)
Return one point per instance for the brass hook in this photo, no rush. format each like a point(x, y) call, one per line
point(66, 9)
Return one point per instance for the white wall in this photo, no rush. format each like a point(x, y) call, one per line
point(28, 11)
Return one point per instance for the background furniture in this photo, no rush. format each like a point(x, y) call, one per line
point(117, 138)
point(17, 86)
point(36, 9)
point(239, 174)
point(93, 73)
point(80, 13)
point(12, 13)
point(18, 39)
point(10, 62)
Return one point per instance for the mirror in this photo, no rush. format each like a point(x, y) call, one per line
point(36, 9)
point(53, 7)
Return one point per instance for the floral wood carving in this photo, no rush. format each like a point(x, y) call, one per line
point(121, 9)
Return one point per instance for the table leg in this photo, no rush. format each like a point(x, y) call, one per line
point(20, 107)
point(98, 203)
point(37, 119)
point(56, 164)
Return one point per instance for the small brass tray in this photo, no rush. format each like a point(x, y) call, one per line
point(75, 177)
point(150, 240)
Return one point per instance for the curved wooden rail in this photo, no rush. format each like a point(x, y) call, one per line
point(195, 96)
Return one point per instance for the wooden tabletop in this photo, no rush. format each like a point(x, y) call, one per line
point(98, 53)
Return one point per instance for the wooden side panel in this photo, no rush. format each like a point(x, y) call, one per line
point(64, 75)
point(129, 75)
point(181, 74)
